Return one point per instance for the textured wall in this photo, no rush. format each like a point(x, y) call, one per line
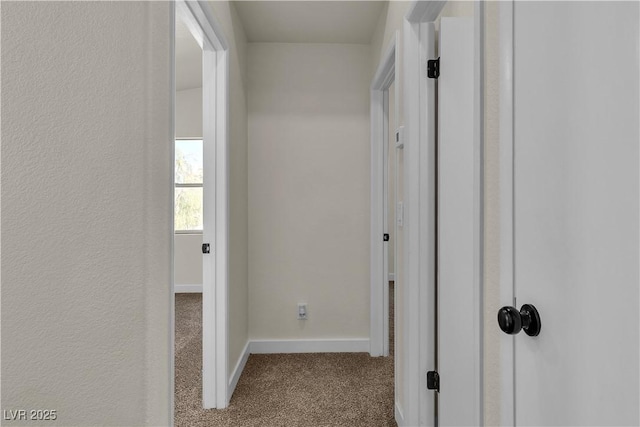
point(86, 196)
point(309, 190)
point(491, 289)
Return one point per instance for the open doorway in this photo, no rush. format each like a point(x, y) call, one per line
point(382, 139)
point(395, 227)
point(392, 204)
point(200, 205)
point(188, 173)
point(387, 218)
point(188, 211)
point(394, 207)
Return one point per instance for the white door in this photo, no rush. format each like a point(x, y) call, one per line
point(458, 324)
point(576, 212)
point(215, 233)
point(210, 383)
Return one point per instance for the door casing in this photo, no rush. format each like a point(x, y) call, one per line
point(419, 178)
point(378, 264)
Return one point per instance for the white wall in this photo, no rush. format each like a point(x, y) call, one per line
point(86, 191)
point(309, 190)
point(187, 255)
point(189, 113)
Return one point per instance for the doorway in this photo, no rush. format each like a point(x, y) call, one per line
point(386, 336)
point(381, 142)
point(395, 221)
point(453, 256)
point(201, 199)
point(393, 204)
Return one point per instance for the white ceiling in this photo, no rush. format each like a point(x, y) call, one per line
point(188, 59)
point(284, 22)
point(309, 21)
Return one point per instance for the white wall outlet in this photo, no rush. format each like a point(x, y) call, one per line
point(400, 214)
point(302, 311)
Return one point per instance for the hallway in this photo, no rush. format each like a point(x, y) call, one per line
point(312, 389)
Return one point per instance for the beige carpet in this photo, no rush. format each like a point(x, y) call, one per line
point(318, 389)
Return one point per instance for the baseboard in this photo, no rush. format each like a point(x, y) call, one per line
point(235, 376)
point(186, 289)
point(356, 345)
point(399, 415)
point(392, 277)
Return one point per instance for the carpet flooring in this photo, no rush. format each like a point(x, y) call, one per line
point(313, 389)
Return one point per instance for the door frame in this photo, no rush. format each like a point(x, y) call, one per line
point(208, 33)
point(379, 261)
point(420, 193)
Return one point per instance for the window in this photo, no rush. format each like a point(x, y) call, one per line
point(188, 191)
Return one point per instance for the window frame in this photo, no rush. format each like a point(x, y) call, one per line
point(187, 185)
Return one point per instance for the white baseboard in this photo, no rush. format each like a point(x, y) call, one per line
point(392, 277)
point(399, 415)
point(235, 376)
point(185, 289)
point(357, 345)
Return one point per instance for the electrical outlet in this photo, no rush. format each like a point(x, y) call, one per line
point(400, 137)
point(302, 311)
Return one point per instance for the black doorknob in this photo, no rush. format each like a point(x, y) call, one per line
point(511, 321)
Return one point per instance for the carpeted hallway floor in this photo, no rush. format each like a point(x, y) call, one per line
point(318, 389)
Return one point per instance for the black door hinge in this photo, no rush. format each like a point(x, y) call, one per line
point(433, 68)
point(433, 381)
point(385, 237)
point(206, 248)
